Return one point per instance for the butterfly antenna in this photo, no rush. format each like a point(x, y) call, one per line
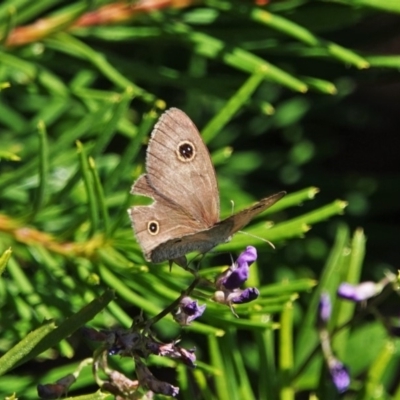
point(259, 238)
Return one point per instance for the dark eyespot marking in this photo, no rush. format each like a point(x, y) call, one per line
point(186, 151)
point(153, 227)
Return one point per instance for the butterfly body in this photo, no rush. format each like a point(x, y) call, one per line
point(180, 178)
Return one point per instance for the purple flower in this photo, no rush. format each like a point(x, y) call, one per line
point(239, 272)
point(360, 292)
point(244, 296)
point(324, 308)
point(188, 311)
point(340, 375)
point(229, 282)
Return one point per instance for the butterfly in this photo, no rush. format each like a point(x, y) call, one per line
point(181, 180)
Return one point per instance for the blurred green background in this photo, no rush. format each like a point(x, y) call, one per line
point(300, 95)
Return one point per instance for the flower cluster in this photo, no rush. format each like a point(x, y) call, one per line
point(229, 282)
point(228, 289)
point(359, 293)
point(138, 343)
point(135, 343)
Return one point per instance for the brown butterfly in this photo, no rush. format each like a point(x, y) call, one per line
point(180, 178)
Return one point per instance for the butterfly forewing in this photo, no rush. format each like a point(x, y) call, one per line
point(242, 218)
point(179, 167)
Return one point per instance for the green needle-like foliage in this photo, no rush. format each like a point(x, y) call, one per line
point(82, 83)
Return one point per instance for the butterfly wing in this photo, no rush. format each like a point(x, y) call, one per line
point(157, 223)
point(242, 218)
point(179, 168)
point(221, 232)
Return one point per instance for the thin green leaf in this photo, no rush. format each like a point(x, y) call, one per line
point(286, 352)
point(4, 260)
point(25, 347)
point(266, 345)
point(89, 187)
point(298, 32)
point(65, 43)
point(43, 169)
point(101, 200)
point(378, 368)
point(238, 58)
point(54, 334)
point(307, 338)
point(344, 310)
point(129, 155)
point(232, 106)
point(384, 5)
point(222, 383)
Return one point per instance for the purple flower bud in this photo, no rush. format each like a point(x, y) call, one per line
point(240, 270)
point(190, 307)
point(248, 256)
point(188, 311)
point(324, 308)
point(245, 296)
point(360, 292)
point(340, 375)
